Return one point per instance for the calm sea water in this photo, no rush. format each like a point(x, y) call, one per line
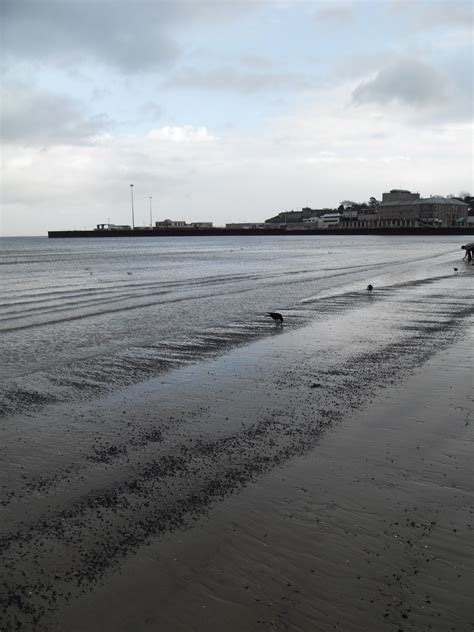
point(80, 316)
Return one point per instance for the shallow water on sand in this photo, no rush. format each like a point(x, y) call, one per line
point(83, 316)
point(118, 436)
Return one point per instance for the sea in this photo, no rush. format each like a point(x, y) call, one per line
point(81, 317)
point(164, 454)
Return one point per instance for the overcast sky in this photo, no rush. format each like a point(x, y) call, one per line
point(226, 110)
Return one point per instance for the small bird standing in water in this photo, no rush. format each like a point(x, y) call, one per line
point(278, 318)
point(370, 288)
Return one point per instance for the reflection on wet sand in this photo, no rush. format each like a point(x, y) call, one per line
point(97, 486)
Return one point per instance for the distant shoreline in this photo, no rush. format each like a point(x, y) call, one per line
point(210, 232)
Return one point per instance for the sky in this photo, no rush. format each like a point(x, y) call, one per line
point(228, 110)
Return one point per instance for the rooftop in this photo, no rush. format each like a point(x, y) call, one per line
point(431, 200)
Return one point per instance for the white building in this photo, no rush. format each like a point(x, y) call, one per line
point(328, 220)
point(113, 227)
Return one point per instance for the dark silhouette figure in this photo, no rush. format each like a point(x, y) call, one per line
point(278, 318)
point(370, 288)
point(469, 248)
point(455, 269)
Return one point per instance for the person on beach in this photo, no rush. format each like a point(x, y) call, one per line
point(469, 248)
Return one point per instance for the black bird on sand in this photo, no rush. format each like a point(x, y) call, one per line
point(278, 318)
point(370, 288)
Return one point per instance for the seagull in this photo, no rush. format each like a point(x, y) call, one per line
point(370, 288)
point(278, 318)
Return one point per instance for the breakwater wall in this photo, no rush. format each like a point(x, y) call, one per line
point(209, 232)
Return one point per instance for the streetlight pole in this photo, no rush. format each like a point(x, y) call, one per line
point(133, 212)
point(151, 217)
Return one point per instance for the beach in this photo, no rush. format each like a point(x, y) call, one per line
point(311, 476)
point(373, 531)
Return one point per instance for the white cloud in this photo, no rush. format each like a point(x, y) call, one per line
point(184, 134)
point(394, 114)
point(321, 157)
point(331, 152)
point(394, 158)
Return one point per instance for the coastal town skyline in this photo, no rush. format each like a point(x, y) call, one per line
point(228, 112)
point(446, 211)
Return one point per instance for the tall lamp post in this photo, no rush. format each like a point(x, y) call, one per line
point(151, 217)
point(133, 212)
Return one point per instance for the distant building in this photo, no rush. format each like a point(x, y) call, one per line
point(398, 208)
point(404, 208)
point(367, 219)
point(349, 213)
point(170, 223)
point(398, 195)
point(327, 220)
point(330, 219)
point(201, 224)
point(113, 227)
point(248, 226)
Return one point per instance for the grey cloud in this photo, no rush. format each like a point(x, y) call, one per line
point(408, 81)
point(232, 80)
point(443, 13)
point(152, 110)
point(336, 14)
point(131, 35)
point(257, 61)
point(359, 65)
point(38, 118)
point(69, 32)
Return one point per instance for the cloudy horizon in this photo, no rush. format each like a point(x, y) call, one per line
point(229, 111)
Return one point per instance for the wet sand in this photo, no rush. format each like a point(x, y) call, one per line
point(318, 479)
point(372, 531)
